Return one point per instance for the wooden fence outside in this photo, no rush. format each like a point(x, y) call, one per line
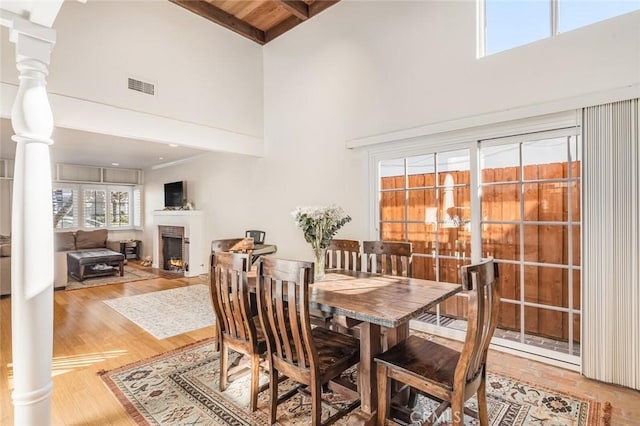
point(546, 201)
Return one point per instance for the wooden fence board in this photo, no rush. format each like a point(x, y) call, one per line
point(543, 243)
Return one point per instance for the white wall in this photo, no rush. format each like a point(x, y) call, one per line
point(387, 66)
point(238, 193)
point(204, 74)
point(364, 68)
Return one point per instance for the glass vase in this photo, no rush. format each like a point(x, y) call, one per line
point(318, 254)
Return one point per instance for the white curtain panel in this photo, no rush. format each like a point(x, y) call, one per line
point(611, 244)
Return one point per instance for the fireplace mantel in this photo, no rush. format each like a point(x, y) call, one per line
point(193, 223)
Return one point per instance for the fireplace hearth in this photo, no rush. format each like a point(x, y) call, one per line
point(179, 242)
point(174, 253)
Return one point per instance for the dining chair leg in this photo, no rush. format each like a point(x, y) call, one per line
point(224, 358)
point(255, 377)
point(483, 414)
point(216, 340)
point(383, 393)
point(273, 391)
point(457, 409)
point(316, 403)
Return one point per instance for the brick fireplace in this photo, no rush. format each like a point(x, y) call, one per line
point(179, 242)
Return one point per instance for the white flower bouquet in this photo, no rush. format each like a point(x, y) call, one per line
point(319, 225)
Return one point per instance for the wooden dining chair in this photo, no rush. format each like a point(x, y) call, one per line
point(343, 254)
point(388, 257)
point(258, 236)
point(309, 356)
point(217, 246)
point(238, 328)
point(443, 373)
point(225, 244)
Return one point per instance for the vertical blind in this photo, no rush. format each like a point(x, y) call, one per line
point(611, 263)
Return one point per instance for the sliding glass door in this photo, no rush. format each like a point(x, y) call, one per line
point(425, 199)
point(530, 197)
point(526, 196)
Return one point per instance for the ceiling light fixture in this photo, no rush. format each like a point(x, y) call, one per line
point(115, 164)
point(173, 145)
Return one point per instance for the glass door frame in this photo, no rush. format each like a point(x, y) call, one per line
point(433, 146)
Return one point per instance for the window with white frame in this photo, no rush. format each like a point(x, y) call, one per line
point(119, 202)
point(508, 24)
point(65, 208)
point(96, 206)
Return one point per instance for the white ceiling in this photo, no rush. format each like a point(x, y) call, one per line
point(78, 147)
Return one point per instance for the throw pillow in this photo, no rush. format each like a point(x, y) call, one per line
point(91, 239)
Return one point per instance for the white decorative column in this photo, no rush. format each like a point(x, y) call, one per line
point(32, 232)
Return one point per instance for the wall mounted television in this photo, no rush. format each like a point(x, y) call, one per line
point(175, 195)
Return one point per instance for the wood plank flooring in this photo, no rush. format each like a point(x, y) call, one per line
point(89, 336)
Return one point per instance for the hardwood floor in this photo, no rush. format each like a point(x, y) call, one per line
point(89, 336)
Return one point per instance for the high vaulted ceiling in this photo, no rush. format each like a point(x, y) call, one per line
point(258, 20)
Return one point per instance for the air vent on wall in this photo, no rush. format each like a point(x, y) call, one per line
point(141, 86)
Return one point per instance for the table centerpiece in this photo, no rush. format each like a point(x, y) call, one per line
point(319, 224)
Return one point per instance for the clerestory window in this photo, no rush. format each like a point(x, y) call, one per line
point(505, 24)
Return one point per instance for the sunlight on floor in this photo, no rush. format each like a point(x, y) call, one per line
point(66, 364)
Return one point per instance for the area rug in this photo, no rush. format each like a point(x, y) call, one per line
point(130, 274)
point(168, 313)
point(181, 388)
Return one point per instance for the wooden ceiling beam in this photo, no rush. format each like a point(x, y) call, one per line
point(281, 28)
point(219, 16)
point(284, 26)
point(297, 8)
point(320, 5)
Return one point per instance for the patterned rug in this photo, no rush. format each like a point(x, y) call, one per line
point(181, 388)
point(130, 274)
point(168, 313)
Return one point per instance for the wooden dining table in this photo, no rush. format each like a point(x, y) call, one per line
point(378, 301)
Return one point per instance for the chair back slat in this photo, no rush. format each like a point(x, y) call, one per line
point(230, 297)
point(271, 308)
point(296, 326)
point(229, 320)
point(283, 299)
point(343, 254)
point(481, 282)
point(388, 257)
